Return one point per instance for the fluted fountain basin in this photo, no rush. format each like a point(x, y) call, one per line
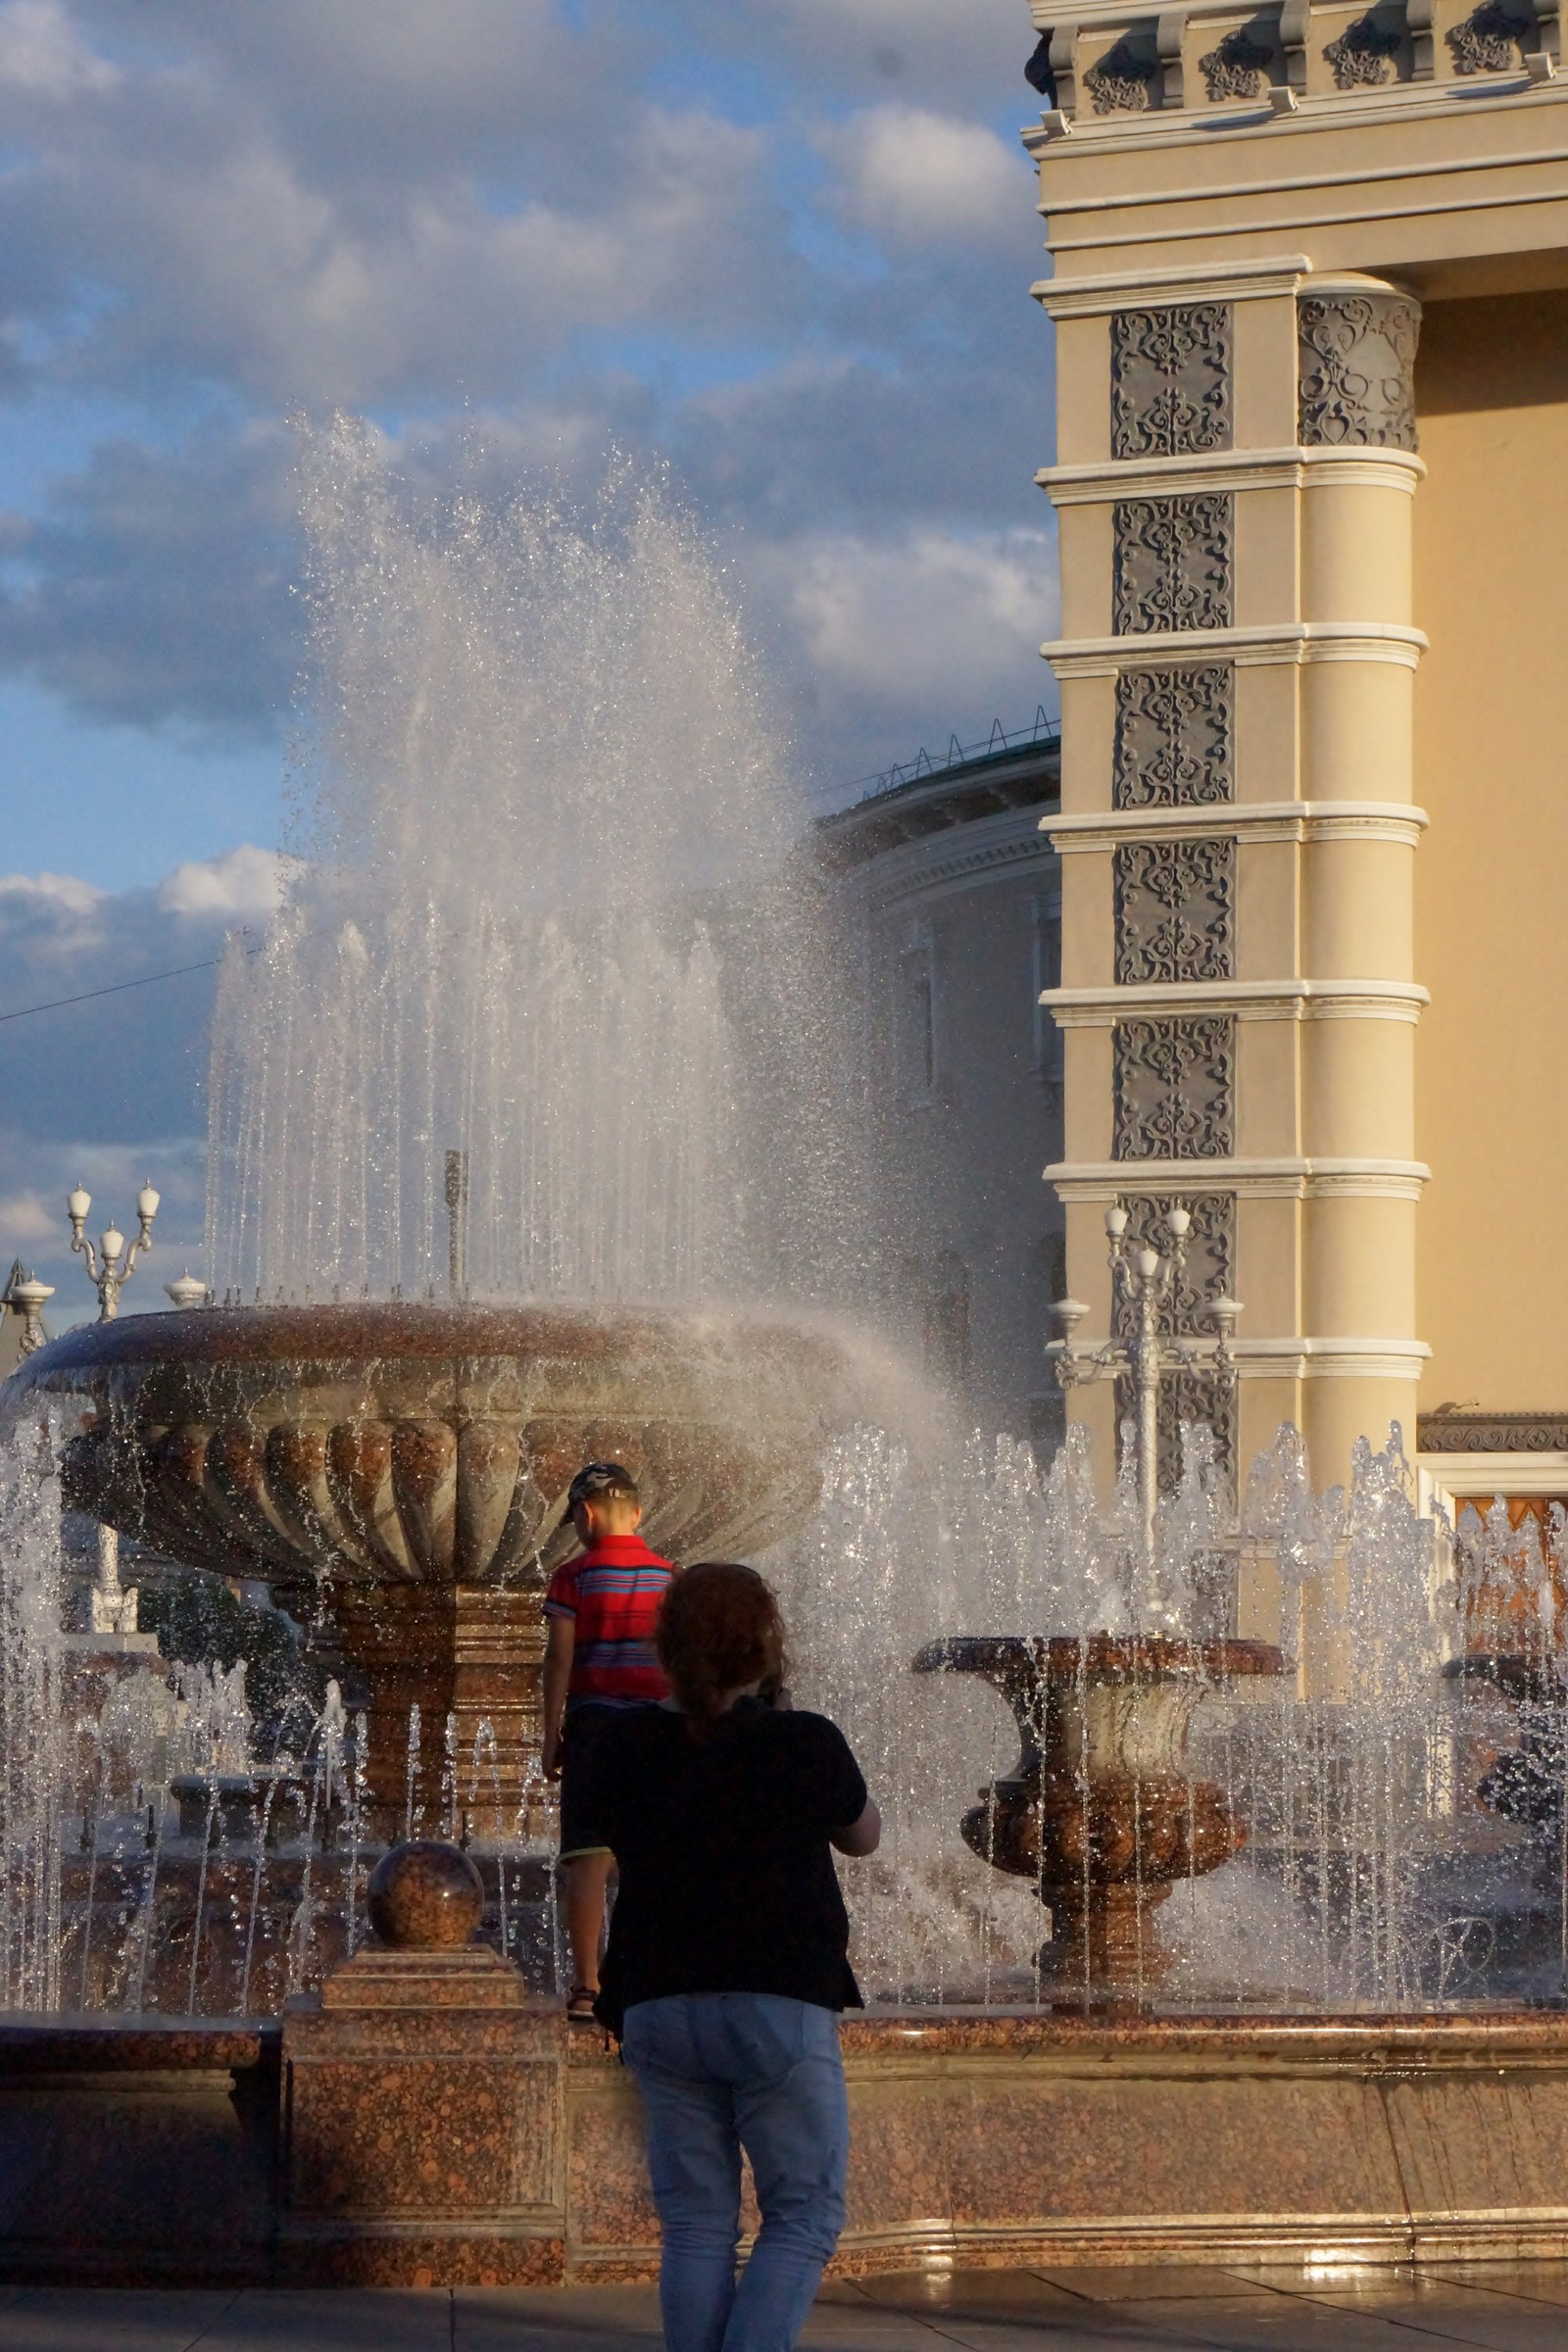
point(1102, 1810)
point(399, 1472)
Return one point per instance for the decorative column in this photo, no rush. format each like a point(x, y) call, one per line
point(1234, 489)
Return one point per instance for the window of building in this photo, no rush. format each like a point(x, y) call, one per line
point(1047, 1053)
point(916, 1020)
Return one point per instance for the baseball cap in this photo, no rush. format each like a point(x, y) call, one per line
point(600, 1478)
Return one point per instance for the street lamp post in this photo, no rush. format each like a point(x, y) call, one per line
point(1143, 1282)
point(30, 1297)
point(108, 1268)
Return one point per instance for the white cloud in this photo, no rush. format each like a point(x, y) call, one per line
point(43, 56)
point(918, 175)
point(244, 885)
point(50, 893)
point(929, 614)
point(26, 1217)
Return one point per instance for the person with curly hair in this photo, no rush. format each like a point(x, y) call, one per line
point(728, 1958)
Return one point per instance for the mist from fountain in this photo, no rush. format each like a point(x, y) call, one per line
point(545, 908)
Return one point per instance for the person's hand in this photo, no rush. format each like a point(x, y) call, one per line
point(550, 1756)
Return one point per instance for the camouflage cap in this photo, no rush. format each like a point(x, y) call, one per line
point(596, 1478)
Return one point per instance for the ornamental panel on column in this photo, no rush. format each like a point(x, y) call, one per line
point(1175, 737)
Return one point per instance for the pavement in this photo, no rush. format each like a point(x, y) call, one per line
point(1509, 2307)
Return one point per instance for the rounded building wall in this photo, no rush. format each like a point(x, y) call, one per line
point(955, 896)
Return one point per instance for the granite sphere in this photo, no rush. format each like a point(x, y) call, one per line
point(425, 1897)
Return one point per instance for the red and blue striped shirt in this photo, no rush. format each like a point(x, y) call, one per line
point(611, 1594)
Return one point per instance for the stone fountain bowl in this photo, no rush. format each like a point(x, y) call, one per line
point(1102, 1810)
point(399, 1473)
point(432, 1446)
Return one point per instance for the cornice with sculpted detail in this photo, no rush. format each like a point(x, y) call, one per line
point(941, 863)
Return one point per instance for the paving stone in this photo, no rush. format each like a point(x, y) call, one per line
point(1461, 2312)
point(1288, 2323)
point(1536, 2282)
point(334, 2320)
point(630, 2309)
point(67, 2318)
point(1146, 2283)
point(971, 2294)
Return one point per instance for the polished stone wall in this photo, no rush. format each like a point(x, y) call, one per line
point(455, 2131)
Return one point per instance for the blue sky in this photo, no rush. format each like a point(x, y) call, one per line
point(785, 248)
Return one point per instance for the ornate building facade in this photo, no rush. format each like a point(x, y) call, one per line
point(1311, 292)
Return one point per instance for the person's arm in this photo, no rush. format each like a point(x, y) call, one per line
point(561, 1634)
point(862, 1837)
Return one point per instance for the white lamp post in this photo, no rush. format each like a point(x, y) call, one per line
point(1144, 1282)
point(31, 1295)
point(108, 1268)
point(111, 1266)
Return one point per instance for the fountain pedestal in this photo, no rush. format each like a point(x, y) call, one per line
point(422, 2088)
point(1102, 1811)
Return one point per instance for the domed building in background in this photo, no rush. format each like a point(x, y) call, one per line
point(954, 898)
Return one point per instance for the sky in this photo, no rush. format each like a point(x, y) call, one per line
point(783, 249)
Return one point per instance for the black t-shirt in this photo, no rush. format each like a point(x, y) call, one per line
point(727, 1882)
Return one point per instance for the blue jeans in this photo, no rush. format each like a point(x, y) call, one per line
point(719, 2072)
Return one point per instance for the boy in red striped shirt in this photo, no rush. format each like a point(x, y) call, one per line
point(599, 1612)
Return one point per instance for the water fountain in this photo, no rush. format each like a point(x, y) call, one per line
point(526, 1100)
point(527, 1094)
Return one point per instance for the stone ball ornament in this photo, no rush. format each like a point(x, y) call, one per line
point(425, 1897)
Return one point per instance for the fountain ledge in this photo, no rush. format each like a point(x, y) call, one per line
point(487, 2143)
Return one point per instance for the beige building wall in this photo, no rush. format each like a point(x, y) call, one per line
point(1492, 899)
point(1253, 216)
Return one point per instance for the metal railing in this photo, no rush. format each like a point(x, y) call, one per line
point(998, 745)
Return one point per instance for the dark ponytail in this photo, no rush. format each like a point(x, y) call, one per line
point(719, 1628)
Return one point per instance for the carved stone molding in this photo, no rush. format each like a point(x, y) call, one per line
point(1119, 83)
point(1173, 737)
point(1173, 564)
point(1236, 69)
point(1174, 1088)
point(1491, 39)
point(1175, 905)
point(1170, 381)
point(1449, 1429)
point(1359, 60)
point(1355, 371)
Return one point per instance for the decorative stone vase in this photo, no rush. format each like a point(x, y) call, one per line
point(1101, 1811)
point(399, 1474)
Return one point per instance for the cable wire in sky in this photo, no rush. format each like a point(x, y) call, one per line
point(117, 987)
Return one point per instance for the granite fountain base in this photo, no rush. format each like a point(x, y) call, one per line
point(424, 2121)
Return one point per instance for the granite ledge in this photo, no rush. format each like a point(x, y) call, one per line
point(89, 2043)
point(1373, 2044)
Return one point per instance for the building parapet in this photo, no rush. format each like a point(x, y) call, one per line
point(1113, 66)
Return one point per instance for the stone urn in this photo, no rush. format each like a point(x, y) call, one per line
point(398, 1475)
point(1101, 1811)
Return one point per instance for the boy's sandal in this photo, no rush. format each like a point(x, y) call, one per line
point(580, 2006)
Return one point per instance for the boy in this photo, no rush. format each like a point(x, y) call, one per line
point(600, 1611)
